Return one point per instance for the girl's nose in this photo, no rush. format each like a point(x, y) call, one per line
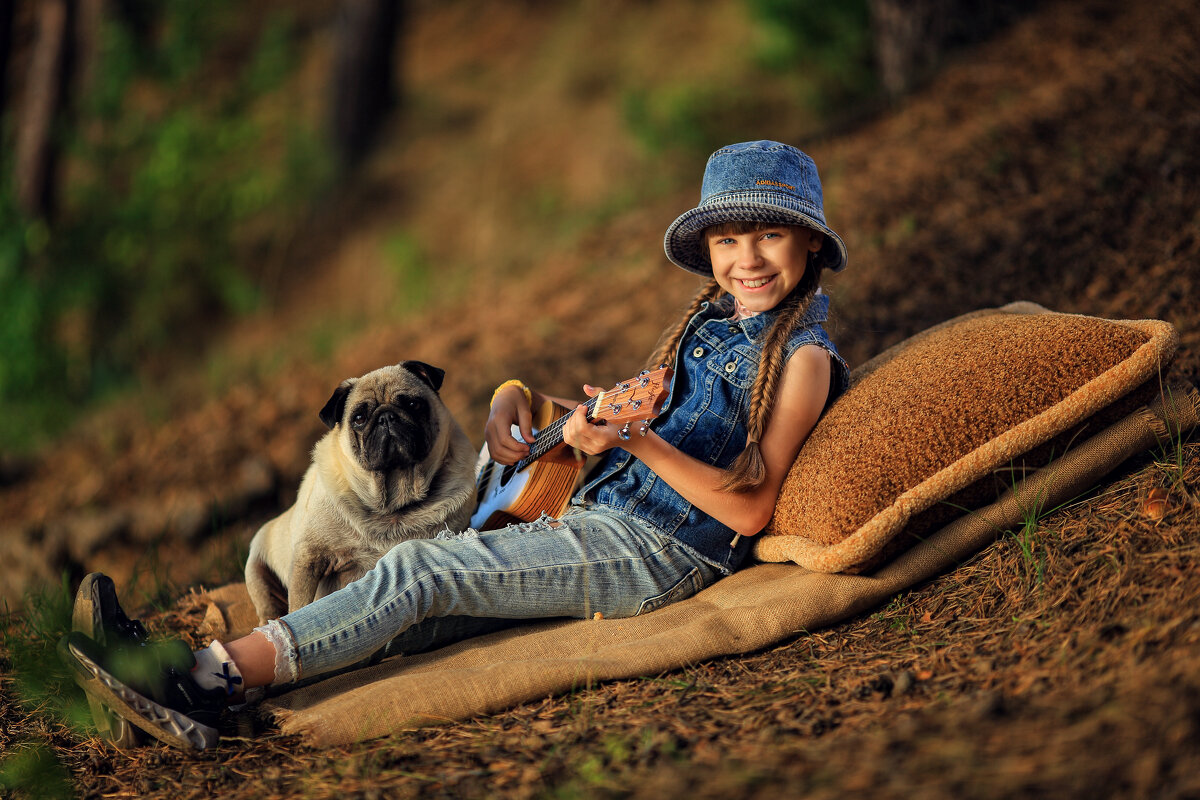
point(748, 255)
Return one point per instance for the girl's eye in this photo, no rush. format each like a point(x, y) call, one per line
point(771, 235)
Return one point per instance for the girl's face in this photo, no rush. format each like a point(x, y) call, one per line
point(760, 268)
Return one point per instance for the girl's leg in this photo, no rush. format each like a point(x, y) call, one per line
point(590, 562)
point(255, 653)
point(586, 563)
point(255, 658)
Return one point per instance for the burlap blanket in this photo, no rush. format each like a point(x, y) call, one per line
point(755, 608)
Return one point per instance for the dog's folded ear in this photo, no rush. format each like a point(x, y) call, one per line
point(331, 414)
point(426, 372)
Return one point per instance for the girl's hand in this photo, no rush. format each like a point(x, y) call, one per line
point(509, 408)
point(592, 438)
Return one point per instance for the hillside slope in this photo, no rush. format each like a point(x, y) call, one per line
point(1054, 165)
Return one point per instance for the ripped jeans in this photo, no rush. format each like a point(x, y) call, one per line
point(425, 593)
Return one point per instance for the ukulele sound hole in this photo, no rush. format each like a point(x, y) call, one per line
point(506, 474)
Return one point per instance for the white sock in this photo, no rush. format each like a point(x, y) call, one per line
point(215, 669)
point(287, 665)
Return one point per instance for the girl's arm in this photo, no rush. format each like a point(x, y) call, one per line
point(800, 398)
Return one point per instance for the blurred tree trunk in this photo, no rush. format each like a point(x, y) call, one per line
point(87, 41)
point(363, 84)
point(61, 65)
point(906, 40)
point(43, 97)
point(8, 15)
point(911, 35)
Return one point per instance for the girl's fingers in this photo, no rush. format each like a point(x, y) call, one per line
point(502, 446)
point(590, 437)
point(525, 423)
point(575, 430)
point(508, 454)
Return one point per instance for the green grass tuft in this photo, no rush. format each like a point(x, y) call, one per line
point(42, 683)
point(32, 770)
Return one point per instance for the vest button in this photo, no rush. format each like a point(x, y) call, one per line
point(698, 352)
point(734, 328)
point(730, 367)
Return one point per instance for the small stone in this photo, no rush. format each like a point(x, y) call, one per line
point(1157, 504)
point(990, 704)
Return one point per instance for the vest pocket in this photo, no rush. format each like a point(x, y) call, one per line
point(736, 366)
point(687, 587)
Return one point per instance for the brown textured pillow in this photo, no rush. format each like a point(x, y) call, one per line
point(932, 418)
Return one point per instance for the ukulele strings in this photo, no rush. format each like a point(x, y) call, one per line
point(550, 436)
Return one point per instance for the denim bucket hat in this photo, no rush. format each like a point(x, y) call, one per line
point(753, 182)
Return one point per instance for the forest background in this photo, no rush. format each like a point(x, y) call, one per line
point(173, 168)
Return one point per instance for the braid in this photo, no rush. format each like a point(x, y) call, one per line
point(670, 339)
point(748, 470)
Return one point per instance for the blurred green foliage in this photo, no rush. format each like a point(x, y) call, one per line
point(32, 770)
point(409, 266)
point(827, 45)
point(179, 183)
point(688, 119)
point(44, 689)
point(29, 637)
point(810, 61)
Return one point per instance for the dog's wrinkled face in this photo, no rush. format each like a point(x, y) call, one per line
point(387, 416)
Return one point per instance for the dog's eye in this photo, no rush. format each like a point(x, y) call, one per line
point(410, 403)
point(358, 420)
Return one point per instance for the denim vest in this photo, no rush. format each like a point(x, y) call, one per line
point(705, 417)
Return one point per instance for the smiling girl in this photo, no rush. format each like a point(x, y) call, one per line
point(668, 510)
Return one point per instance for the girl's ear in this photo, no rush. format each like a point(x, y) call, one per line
point(816, 240)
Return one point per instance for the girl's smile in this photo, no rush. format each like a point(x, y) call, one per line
point(760, 268)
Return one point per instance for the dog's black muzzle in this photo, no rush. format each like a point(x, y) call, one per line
point(396, 438)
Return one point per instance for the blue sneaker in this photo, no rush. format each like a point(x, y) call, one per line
point(133, 685)
point(99, 616)
point(150, 686)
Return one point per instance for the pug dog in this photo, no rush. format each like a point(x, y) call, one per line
point(393, 466)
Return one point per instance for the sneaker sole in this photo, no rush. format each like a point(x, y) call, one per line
point(164, 724)
point(83, 618)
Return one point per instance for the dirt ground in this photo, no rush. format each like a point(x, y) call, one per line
point(1056, 164)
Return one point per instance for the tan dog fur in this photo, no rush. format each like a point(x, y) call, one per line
point(354, 504)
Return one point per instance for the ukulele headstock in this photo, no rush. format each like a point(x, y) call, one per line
point(638, 398)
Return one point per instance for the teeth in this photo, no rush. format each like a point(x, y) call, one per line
point(757, 283)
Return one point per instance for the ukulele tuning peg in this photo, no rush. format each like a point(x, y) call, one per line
point(623, 434)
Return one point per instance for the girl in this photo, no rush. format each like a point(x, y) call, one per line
point(667, 512)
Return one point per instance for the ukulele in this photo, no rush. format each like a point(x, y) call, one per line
point(543, 481)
